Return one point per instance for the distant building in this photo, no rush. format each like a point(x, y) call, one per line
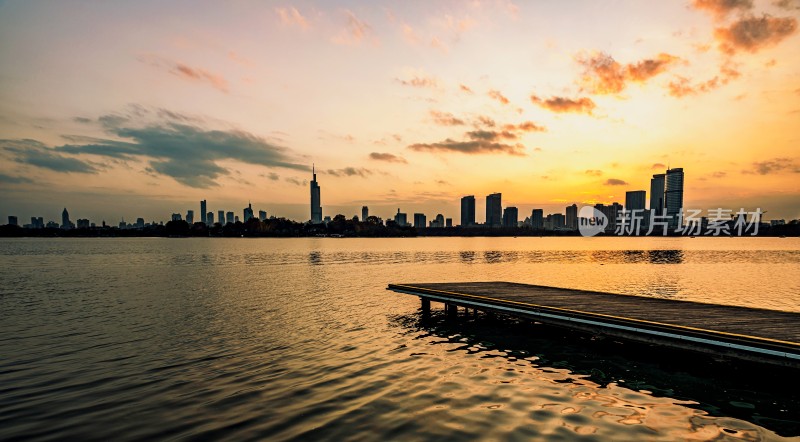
point(37, 223)
point(635, 200)
point(326, 220)
point(12, 221)
point(65, 222)
point(510, 217)
point(673, 195)
point(83, 223)
point(555, 221)
point(316, 207)
point(248, 212)
point(221, 217)
point(190, 217)
point(420, 220)
point(229, 218)
point(262, 215)
point(448, 222)
point(657, 194)
point(400, 219)
point(140, 223)
point(439, 220)
point(494, 211)
point(176, 217)
point(364, 213)
point(236, 219)
point(468, 211)
point(210, 218)
point(572, 217)
point(537, 219)
point(52, 225)
point(611, 212)
point(203, 212)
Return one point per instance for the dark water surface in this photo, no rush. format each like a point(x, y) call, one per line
point(298, 339)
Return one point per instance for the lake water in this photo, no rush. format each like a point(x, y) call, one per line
point(250, 339)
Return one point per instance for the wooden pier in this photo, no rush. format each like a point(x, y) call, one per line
point(729, 331)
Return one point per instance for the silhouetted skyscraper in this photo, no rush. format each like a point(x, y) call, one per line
point(400, 219)
point(230, 218)
point(468, 211)
point(673, 195)
point(316, 208)
point(65, 222)
point(494, 210)
point(262, 215)
point(635, 200)
point(572, 217)
point(537, 219)
point(657, 194)
point(203, 212)
point(510, 217)
point(221, 217)
point(190, 217)
point(420, 220)
point(12, 220)
point(210, 218)
point(364, 213)
point(248, 212)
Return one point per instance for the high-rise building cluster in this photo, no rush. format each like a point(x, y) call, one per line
point(666, 200)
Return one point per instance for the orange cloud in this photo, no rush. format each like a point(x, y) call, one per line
point(464, 88)
point(419, 81)
point(355, 31)
point(471, 147)
point(682, 86)
point(498, 96)
point(527, 126)
point(446, 119)
point(721, 8)
point(186, 72)
point(561, 104)
point(388, 157)
point(292, 17)
point(752, 33)
point(604, 75)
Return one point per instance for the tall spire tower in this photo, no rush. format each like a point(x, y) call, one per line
point(316, 208)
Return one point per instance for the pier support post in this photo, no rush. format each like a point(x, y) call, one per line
point(451, 311)
point(426, 305)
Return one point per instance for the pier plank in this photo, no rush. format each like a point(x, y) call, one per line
point(771, 330)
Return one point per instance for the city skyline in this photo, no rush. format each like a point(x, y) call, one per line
point(418, 106)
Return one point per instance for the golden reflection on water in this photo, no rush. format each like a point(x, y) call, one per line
point(298, 339)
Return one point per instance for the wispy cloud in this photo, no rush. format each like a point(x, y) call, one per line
point(36, 153)
point(789, 5)
point(419, 81)
point(721, 8)
point(594, 172)
point(751, 34)
point(615, 182)
point(355, 31)
point(471, 147)
point(292, 17)
point(604, 75)
point(464, 88)
point(388, 157)
point(186, 72)
point(349, 171)
point(11, 179)
point(582, 105)
point(445, 119)
point(185, 152)
point(497, 95)
point(774, 166)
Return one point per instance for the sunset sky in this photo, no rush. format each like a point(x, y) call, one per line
point(125, 109)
